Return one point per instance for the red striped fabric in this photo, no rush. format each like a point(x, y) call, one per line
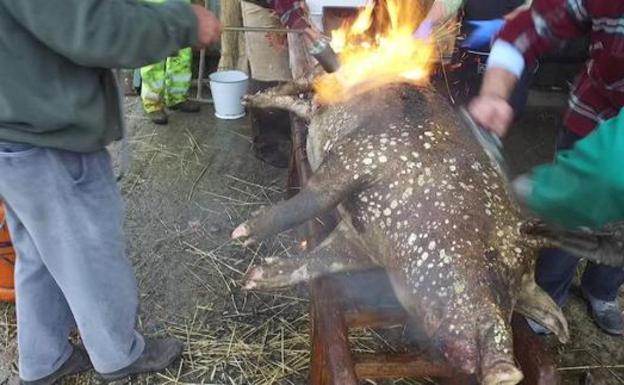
point(598, 93)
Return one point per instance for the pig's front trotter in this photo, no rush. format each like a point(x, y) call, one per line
point(277, 273)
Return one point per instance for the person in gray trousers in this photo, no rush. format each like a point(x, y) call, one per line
point(59, 108)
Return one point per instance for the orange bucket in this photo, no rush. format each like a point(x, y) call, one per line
point(7, 261)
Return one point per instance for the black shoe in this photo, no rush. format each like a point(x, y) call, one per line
point(78, 362)
point(186, 106)
point(158, 117)
point(157, 355)
point(606, 314)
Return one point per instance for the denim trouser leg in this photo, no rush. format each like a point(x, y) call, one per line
point(555, 268)
point(554, 273)
point(602, 282)
point(65, 215)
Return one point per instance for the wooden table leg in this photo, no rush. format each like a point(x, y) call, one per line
point(331, 338)
point(536, 363)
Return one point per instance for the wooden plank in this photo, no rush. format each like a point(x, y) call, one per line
point(375, 318)
point(387, 365)
point(318, 372)
point(535, 362)
point(332, 333)
point(331, 362)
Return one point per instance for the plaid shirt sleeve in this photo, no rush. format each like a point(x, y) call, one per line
point(547, 22)
point(292, 13)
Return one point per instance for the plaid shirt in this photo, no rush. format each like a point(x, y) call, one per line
point(292, 13)
point(598, 92)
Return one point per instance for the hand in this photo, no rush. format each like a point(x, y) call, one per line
point(424, 30)
point(313, 34)
point(492, 112)
point(208, 26)
point(484, 33)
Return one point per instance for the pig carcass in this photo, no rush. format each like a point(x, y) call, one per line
point(417, 196)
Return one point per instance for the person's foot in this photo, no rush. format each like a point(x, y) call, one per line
point(158, 117)
point(606, 314)
point(186, 106)
point(537, 328)
point(157, 355)
point(78, 362)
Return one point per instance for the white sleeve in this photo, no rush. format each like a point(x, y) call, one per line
point(506, 56)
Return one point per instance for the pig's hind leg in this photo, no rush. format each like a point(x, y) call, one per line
point(337, 254)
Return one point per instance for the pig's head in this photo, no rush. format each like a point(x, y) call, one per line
point(480, 343)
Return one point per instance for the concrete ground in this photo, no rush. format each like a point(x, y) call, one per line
point(190, 182)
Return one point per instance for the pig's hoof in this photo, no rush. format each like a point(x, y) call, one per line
point(503, 374)
point(279, 274)
point(250, 280)
point(242, 231)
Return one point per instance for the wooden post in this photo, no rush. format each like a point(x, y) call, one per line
point(536, 363)
point(233, 54)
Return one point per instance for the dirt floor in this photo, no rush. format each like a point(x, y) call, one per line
point(189, 184)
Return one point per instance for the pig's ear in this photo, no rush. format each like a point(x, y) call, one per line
point(534, 303)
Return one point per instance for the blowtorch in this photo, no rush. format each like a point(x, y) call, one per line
point(320, 50)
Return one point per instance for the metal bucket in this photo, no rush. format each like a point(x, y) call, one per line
point(228, 89)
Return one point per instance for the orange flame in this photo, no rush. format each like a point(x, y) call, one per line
point(377, 48)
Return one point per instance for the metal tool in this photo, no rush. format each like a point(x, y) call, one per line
point(323, 53)
point(490, 143)
point(321, 50)
point(262, 29)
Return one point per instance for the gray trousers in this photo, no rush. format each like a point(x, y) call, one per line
point(65, 216)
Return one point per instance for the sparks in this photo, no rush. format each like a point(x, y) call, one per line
point(369, 59)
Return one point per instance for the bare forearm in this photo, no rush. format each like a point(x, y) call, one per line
point(498, 82)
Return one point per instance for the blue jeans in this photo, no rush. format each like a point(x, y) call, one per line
point(65, 216)
point(555, 268)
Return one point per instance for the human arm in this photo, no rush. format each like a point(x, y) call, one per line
point(113, 33)
point(442, 10)
point(522, 40)
point(585, 185)
point(295, 14)
point(517, 11)
point(292, 13)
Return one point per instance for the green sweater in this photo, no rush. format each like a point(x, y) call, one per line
point(56, 86)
